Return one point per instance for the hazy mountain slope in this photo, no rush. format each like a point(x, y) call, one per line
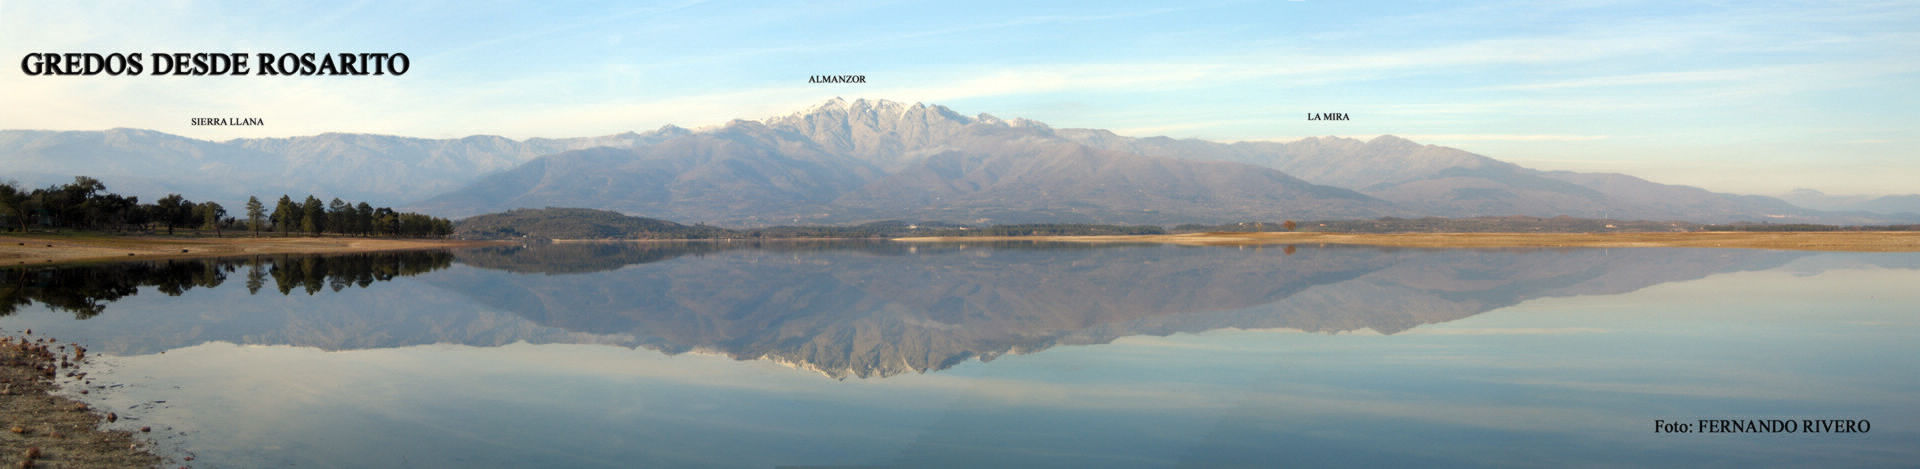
point(1334, 161)
point(1046, 180)
point(132, 161)
point(1639, 198)
point(743, 172)
point(846, 162)
point(377, 168)
point(1444, 181)
point(1908, 204)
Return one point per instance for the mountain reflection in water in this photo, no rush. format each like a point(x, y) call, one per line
point(843, 309)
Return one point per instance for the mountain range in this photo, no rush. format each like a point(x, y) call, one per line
point(1891, 204)
point(862, 160)
point(382, 169)
point(1435, 180)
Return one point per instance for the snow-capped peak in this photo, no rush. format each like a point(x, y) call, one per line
point(837, 103)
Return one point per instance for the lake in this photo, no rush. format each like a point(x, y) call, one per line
point(876, 354)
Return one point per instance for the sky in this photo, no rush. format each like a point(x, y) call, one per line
point(1747, 97)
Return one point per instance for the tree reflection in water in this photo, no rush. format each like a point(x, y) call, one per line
point(85, 290)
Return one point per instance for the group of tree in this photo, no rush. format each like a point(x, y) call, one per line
point(1241, 227)
point(314, 217)
point(1051, 229)
point(86, 205)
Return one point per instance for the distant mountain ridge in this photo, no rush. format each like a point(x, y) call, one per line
point(844, 162)
point(1443, 181)
point(1888, 204)
point(861, 160)
point(384, 169)
point(918, 161)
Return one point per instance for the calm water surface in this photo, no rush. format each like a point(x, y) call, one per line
point(994, 355)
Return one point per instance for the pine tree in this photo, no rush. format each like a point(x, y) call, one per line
point(337, 216)
point(256, 214)
point(313, 216)
point(285, 215)
point(363, 219)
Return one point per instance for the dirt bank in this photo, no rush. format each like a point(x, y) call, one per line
point(59, 249)
point(39, 429)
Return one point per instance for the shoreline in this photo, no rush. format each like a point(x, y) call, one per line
point(1852, 241)
point(45, 429)
point(714, 240)
point(60, 249)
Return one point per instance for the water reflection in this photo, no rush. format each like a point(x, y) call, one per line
point(843, 309)
point(85, 291)
point(881, 309)
point(1583, 349)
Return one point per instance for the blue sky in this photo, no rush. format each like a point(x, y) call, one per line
point(1755, 97)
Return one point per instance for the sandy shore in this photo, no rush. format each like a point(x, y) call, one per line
point(1867, 241)
point(60, 249)
point(39, 429)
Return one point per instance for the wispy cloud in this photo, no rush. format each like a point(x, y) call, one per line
point(1823, 73)
point(1504, 331)
point(1502, 137)
point(586, 23)
point(1660, 78)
